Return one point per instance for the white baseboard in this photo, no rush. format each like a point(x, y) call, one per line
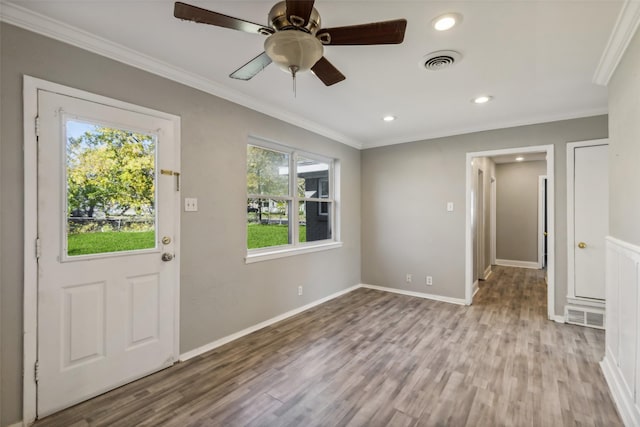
point(621, 396)
point(487, 273)
point(475, 289)
point(458, 301)
point(558, 318)
point(519, 264)
point(222, 341)
point(18, 424)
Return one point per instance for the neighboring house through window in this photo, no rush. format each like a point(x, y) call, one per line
point(290, 198)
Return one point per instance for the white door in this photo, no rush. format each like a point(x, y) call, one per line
point(107, 309)
point(591, 219)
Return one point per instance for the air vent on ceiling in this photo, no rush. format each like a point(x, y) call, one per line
point(591, 317)
point(440, 60)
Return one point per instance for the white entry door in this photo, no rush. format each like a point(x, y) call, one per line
point(591, 219)
point(107, 230)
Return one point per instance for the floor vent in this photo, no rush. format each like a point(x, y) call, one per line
point(590, 317)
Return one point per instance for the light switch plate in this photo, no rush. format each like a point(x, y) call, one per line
point(190, 204)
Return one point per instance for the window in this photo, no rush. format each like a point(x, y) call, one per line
point(110, 193)
point(277, 199)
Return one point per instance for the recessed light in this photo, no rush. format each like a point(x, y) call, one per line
point(447, 21)
point(389, 118)
point(519, 159)
point(483, 99)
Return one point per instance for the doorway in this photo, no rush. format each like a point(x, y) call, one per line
point(102, 286)
point(470, 266)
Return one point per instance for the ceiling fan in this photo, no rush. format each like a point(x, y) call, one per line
point(295, 41)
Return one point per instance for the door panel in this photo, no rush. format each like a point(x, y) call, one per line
point(591, 213)
point(103, 208)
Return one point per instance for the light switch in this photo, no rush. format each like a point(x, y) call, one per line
point(190, 204)
point(450, 207)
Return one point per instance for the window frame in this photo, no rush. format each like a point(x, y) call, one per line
point(293, 199)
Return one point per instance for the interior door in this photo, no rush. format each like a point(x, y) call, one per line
point(591, 219)
point(107, 230)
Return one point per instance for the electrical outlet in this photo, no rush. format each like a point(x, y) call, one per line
point(429, 281)
point(299, 290)
point(409, 278)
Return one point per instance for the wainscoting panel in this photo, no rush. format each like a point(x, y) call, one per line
point(621, 364)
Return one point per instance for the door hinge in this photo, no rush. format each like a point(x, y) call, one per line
point(37, 127)
point(36, 375)
point(38, 248)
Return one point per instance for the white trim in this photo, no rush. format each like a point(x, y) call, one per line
point(289, 251)
point(621, 35)
point(222, 341)
point(41, 24)
point(558, 318)
point(31, 86)
point(476, 287)
point(488, 272)
point(549, 149)
point(520, 264)
point(30, 297)
point(482, 128)
point(19, 424)
point(629, 249)
point(571, 146)
point(578, 301)
point(492, 214)
point(450, 300)
point(624, 402)
point(541, 210)
point(618, 330)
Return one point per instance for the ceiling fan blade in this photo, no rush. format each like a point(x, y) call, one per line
point(326, 72)
point(387, 32)
point(301, 9)
point(251, 68)
point(204, 16)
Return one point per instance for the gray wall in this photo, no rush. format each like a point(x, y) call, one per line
point(220, 295)
point(517, 210)
point(405, 188)
point(624, 146)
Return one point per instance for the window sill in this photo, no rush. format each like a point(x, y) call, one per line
point(282, 253)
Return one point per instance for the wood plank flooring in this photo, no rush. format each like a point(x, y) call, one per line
point(371, 358)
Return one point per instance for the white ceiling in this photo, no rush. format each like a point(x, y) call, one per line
point(536, 58)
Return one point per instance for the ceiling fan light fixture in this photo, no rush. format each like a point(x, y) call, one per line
point(293, 49)
point(447, 21)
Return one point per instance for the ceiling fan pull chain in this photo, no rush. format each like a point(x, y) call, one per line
point(293, 69)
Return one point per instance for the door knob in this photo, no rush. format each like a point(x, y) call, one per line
point(582, 245)
point(167, 256)
point(166, 240)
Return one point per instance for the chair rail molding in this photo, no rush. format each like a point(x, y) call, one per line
point(621, 363)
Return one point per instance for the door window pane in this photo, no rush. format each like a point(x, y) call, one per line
point(111, 189)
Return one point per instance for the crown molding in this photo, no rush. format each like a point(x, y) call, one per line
point(40, 24)
point(495, 126)
point(623, 32)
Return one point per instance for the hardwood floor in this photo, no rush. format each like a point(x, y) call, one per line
point(371, 358)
